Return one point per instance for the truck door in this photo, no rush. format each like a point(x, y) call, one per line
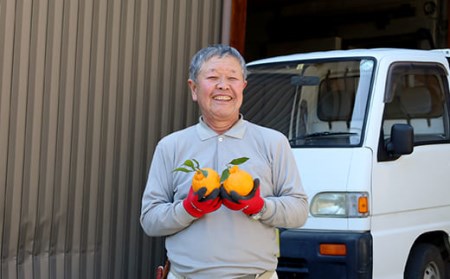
point(411, 191)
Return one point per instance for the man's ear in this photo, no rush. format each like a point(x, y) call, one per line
point(193, 87)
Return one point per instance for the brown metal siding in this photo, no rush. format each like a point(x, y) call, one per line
point(88, 87)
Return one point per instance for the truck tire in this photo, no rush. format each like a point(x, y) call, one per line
point(425, 262)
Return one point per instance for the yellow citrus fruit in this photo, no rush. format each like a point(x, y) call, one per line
point(211, 181)
point(239, 181)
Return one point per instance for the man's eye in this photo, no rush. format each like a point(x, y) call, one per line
point(212, 78)
point(233, 79)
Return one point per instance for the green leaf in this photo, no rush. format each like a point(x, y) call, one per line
point(205, 173)
point(190, 164)
point(182, 169)
point(224, 176)
point(197, 165)
point(239, 161)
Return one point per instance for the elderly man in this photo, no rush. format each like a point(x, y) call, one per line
point(222, 234)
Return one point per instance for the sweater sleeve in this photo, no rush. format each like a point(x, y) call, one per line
point(160, 214)
point(288, 207)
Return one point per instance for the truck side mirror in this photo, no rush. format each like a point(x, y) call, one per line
point(401, 141)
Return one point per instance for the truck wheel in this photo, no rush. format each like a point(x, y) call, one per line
point(425, 261)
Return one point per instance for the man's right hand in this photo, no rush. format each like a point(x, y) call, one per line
point(197, 205)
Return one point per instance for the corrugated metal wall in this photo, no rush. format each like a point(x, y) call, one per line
point(88, 87)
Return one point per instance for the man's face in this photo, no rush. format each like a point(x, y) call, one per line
point(219, 90)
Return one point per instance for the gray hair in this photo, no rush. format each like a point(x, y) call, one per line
point(211, 51)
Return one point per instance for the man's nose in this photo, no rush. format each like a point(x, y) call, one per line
point(222, 84)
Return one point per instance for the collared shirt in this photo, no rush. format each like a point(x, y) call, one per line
point(224, 243)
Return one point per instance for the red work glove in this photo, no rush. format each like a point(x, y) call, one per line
point(198, 205)
point(250, 204)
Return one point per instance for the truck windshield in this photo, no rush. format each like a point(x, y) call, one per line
point(315, 104)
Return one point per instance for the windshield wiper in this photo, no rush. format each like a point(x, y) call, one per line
point(329, 134)
point(323, 134)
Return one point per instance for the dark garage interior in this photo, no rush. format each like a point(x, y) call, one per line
point(289, 26)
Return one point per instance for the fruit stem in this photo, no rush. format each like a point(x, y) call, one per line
point(234, 162)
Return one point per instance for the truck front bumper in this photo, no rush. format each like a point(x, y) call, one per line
point(300, 256)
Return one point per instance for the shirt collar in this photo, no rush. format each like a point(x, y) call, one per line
point(237, 131)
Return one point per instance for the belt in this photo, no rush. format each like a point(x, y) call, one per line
point(264, 275)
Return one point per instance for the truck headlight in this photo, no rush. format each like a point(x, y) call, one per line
point(340, 204)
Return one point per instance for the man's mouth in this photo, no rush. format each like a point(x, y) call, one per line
point(222, 98)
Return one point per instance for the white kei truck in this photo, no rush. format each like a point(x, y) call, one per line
point(370, 131)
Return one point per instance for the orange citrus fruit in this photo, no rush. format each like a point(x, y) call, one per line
point(211, 181)
point(239, 181)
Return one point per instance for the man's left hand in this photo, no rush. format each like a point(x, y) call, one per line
point(250, 204)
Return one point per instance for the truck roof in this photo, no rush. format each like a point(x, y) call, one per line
point(377, 53)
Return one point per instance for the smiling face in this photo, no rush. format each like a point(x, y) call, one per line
point(219, 92)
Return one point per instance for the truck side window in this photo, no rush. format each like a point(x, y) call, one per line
point(416, 95)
